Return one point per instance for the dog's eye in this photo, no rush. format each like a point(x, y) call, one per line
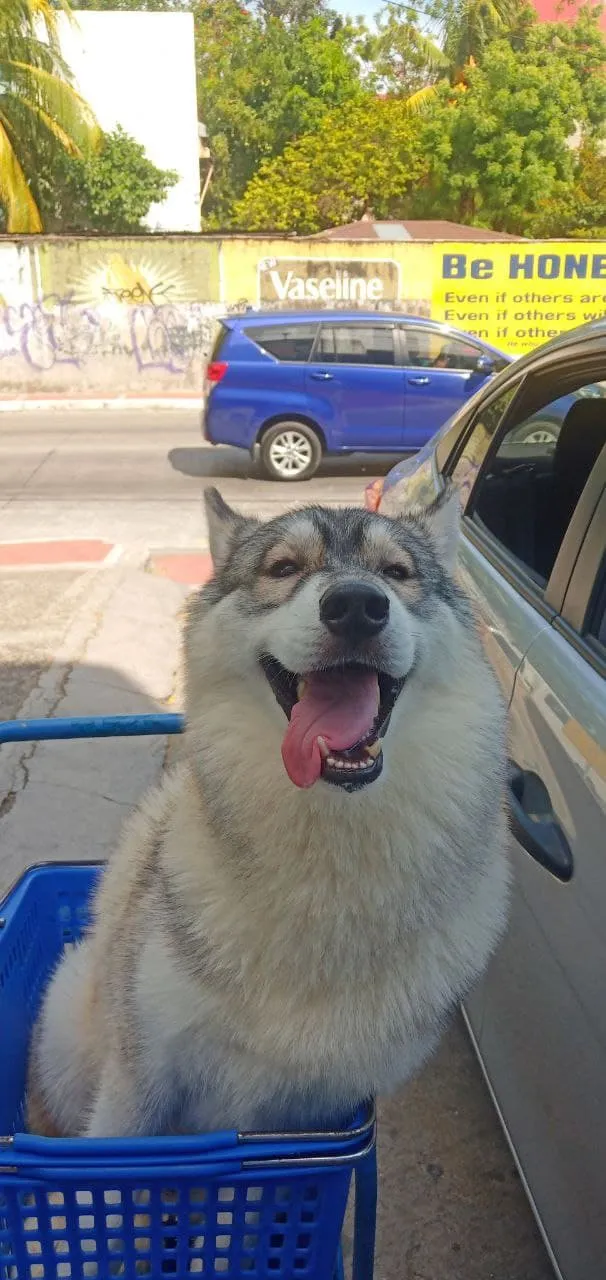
point(399, 572)
point(283, 569)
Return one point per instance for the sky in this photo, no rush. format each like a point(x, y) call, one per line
point(357, 8)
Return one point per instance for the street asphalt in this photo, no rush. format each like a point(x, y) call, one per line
point(106, 639)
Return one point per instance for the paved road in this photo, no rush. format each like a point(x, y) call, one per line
point(451, 1206)
point(124, 473)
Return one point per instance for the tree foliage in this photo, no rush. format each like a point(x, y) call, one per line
point(368, 157)
point(264, 81)
point(109, 192)
point(499, 146)
point(38, 106)
point(313, 119)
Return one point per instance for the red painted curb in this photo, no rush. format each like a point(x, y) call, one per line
point(191, 568)
point(82, 551)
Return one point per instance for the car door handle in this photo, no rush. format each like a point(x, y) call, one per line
point(322, 375)
point(419, 382)
point(534, 824)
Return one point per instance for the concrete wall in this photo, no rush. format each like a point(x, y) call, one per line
point(139, 70)
point(134, 317)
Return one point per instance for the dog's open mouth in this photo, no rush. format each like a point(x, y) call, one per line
point(336, 721)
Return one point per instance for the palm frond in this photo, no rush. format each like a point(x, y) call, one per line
point(61, 101)
point(421, 101)
point(54, 128)
point(22, 214)
point(435, 58)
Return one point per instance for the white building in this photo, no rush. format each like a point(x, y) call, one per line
point(138, 70)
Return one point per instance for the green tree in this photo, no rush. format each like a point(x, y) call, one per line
point(580, 210)
point(110, 191)
point(37, 103)
point(466, 29)
point(499, 145)
point(398, 58)
point(262, 82)
point(367, 157)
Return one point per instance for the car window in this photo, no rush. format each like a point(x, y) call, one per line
point(356, 344)
point(478, 440)
point(285, 342)
point(428, 349)
point(528, 490)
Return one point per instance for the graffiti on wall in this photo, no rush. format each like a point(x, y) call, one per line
point(136, 316)
point(60, 331)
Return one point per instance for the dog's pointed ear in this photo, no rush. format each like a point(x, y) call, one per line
point(223, 523)
point(443, 519)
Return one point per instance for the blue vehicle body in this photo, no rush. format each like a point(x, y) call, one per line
point(357, 380)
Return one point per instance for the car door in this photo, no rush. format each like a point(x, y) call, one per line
point(539, 1018)
point(543, 1033)
point(355, 385)
point(440, 372)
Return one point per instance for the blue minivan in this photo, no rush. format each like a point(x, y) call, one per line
point(292, 386)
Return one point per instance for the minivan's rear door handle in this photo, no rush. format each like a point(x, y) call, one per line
point(419, 382)
point(322, 375)
point(534, 823)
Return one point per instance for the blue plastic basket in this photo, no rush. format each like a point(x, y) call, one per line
point(221, 1204)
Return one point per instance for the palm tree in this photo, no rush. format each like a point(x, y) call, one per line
point(466, 27)
point(38, 105)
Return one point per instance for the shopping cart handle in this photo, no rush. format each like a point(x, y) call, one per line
point(90, 727)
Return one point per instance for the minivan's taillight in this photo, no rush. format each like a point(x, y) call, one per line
point(216, 370)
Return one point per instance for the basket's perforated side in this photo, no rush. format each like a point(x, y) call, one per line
point(23, 957)
point(276, 1222)
point(73, 914)
point(264, 1228)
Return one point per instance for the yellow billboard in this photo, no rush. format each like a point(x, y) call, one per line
point(519, 295)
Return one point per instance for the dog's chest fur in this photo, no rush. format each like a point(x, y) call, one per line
point(299, 953)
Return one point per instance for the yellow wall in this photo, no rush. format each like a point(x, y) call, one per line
point(92, 316)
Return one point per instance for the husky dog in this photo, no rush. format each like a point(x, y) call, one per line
point(296, 909)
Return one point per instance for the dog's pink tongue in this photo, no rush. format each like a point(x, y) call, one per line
point(339, 707)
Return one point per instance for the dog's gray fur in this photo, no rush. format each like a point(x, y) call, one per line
point(267, 956)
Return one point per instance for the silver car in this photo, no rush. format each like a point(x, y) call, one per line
point(533, 558)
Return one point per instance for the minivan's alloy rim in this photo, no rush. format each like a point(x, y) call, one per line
point(542, 435)
point(290, 453)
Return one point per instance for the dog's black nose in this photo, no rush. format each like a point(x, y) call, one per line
point(354, 610)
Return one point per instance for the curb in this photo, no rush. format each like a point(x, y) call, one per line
point(50, 553)
point(120, 403)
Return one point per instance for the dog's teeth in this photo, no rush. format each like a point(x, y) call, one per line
point(374, 748)
point(300, 689)
point(323, 748)
point(331, 760)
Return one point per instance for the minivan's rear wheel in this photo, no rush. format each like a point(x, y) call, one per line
point(290, 451)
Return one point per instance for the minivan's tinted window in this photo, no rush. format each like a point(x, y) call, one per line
point(428, 349)
point(355, 344)
point(285, 342)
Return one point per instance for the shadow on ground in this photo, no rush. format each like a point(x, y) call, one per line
point(236, 463)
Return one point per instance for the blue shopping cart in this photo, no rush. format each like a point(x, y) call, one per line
point(220, 1204)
